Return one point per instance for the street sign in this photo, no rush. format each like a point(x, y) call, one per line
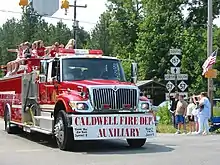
point(169, 76)
point(211, 73)
point(178, 76)
point(170, 86)
point(182, 86)
point(46, 7)
point(175, 70)
point(182, 76)
point(173, 94)
point(175, 52)
point(175, 60)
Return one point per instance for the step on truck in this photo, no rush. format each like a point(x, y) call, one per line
point(77, 95)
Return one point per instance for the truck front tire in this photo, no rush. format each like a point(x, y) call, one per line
point(136, 143)
point(7, 117)
point(63, 134)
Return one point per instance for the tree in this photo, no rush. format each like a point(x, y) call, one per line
point(216, 43)
point(159, 31)
point(100, 35)
point(198, 11)
point(59, 33)
point(124, 27)
point(30, 21)
point(9, 38)
point(194, 55)
point(83, 38)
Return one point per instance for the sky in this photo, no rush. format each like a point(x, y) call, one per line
point(87, 17)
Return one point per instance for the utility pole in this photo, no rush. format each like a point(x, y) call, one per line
point(209, 50)
point(76, 23)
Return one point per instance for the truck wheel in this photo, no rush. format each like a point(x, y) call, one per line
point(63, 134)
point(136, 143)
point(8, 128)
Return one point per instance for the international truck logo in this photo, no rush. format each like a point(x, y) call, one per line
point(115, 88)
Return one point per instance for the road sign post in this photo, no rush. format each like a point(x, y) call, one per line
point(176, 80)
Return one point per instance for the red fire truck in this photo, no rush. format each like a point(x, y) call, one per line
point(77, 95)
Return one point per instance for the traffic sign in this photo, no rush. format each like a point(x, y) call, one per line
point(46, 8)
point(175, 52)
point(182, 76)
point(175, 60)
point(182, 86)
point(178, 76)
point(211, 73)
point(170, 86)
point(175, 70)
point(185, 94)
point(169, 76)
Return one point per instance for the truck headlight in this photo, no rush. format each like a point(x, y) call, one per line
point(144, 106)
point(78, 105)
point(82, 106)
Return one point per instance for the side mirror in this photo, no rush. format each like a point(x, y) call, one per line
point(42, 78)
point(54, 79)
point(134, 72)
point(141, 94)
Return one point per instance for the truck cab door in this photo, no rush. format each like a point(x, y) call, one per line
point(52, 77)
point(42, 81)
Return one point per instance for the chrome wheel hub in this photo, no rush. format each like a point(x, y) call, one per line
point(59, 130)
point(7, 120)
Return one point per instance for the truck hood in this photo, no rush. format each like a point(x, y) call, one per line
point(86, 83)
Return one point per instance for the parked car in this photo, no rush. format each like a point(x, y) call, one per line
point(165, 103)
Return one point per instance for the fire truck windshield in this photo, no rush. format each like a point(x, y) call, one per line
point(92, 68)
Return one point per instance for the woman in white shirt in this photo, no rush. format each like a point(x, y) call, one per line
point(191, 106)
point(204, 114)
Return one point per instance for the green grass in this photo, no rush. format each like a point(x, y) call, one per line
point(216, 111)
point(162, 128)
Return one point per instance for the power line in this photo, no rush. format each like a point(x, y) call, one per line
point(51, 17)
point(87, 22)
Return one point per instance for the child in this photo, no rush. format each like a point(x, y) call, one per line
point(191, 118)
point(195, 112)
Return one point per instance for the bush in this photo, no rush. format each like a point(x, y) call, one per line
point(164, 114)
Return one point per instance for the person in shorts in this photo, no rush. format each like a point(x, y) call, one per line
point(180, 114)
point(191, 118)
point(174, 101)
point(196, 111)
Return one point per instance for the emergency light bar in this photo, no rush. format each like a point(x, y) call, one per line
point(79, 52)
point(87, 52)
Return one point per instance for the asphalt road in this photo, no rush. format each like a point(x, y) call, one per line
point(163, 150)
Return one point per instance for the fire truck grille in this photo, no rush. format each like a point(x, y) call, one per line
point(108, 98)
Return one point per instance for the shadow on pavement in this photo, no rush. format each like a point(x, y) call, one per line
point(40, 139)
point(120, 147)
point(99, 146)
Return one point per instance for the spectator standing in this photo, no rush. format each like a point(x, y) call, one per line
point(191, 118)
point(204, 114)
point(173, 109)
point(196, 111)
point(180, 114)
